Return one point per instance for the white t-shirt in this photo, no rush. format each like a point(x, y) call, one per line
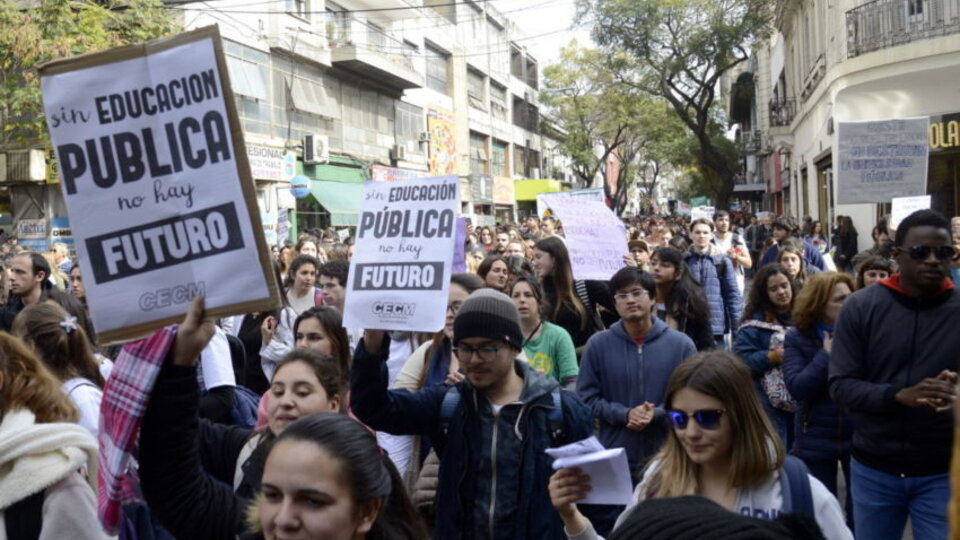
point(86, 397)
point(303, 303)
point(216, 366)
point(724, 246)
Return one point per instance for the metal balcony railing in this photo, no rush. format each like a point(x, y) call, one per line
point(887, 23)
point(751, 142)
point(782, 112)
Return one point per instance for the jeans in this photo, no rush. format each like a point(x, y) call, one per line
point(882, 502)
point(826, 473)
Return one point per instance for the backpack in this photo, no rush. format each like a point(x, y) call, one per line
point(23, 519)
point(593, 317)
point(451, 401)
point(795, 487)
point(245, 404)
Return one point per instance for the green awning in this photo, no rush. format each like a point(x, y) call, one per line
point(340, 199)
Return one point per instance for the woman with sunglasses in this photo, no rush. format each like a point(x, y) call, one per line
point(722, 447)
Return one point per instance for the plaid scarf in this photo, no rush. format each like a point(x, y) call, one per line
point(125, 397)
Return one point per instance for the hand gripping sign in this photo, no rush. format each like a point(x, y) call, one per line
point(400, 271)
point(156, 183)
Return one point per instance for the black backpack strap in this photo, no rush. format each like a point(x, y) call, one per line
point(555, 418)
point(23, 520)
point(451, 400)
point(581, 287)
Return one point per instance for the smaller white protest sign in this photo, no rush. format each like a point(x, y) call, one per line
point(400, 271)
point(901, 207)
point(589, 194)
point(596, 238)
point(608, 470)
point(706, 212)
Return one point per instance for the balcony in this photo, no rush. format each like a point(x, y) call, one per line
point(752, 142)
point(370, 51)
point(888, 23)
point(782, 112)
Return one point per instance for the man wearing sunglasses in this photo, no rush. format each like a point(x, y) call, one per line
point(893, 368)
point(494, 472)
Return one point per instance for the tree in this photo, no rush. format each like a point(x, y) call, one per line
point(610, 127)
point(54, 29)
point(679, 50)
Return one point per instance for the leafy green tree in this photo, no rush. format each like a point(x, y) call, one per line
point(612, 129)
point(34, 32)
point(679, 50)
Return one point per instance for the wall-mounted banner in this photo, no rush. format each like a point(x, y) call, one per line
point(157, 183)
point(589, 194)
point(702, 212)
point(596, 238)
point(400, 271)
point(880, 160)
point(442, 127)
point(32, 234)
point(60, 233)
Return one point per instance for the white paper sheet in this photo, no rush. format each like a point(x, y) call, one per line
point(607, 468)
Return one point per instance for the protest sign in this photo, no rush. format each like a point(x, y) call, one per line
point(157, 184)
point(400, 271)
point(881, 160)
point(589, 194)
point(595, 237)
point(901, 207)
point(706, 212)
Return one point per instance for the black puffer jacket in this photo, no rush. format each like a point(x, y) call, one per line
point(886, 341)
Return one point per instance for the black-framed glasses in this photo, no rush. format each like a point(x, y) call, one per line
point(487, 353)
point(922, 253)
point(706, 418)
point(454, 308)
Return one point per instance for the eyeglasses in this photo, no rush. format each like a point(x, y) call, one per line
point(634, 294)
point(487, 353)
point(454, 308)
point(922, 253)
point(707, 418)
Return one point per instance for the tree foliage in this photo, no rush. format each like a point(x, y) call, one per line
point(611, 127)
point(33, 33)
point(679, 50)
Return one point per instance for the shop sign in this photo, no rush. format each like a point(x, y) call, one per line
point(380, 173)
point(270, 161)
point(944, 132)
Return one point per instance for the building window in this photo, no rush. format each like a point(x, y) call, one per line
point(498, 101)
point(478, 154)
point(520, 161)
point(498, 159)
point(516, 62)
point(308, 96)
point(532, 75)
point(248, 79)
point(300, 8)
point(476, 89)
point(410, 124)
point(437, 68)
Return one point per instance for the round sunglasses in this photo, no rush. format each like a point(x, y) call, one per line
point(706, 418)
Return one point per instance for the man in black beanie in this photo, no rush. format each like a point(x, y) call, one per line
point(490, 430)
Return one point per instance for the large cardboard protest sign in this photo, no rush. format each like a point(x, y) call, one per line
point(589, 194)
point(880, 160)
point(400, 271)
point(595, 237)
point(157, 183)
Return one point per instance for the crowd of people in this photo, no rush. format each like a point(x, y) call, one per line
point(798, 387)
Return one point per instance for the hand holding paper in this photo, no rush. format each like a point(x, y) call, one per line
point(606, 471)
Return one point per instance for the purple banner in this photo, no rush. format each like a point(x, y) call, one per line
point(459, 256)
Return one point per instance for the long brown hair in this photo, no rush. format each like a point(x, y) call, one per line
point(562, 277)
point(469, 283)
point(756, 448)
point(60, 342)
point(813, 297)
point(27, 384)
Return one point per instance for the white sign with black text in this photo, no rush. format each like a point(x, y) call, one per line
point(880, 160)
point(595, 237)
point(400, 271)
point(156, 182)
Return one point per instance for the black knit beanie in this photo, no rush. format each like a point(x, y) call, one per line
point(696, 518)
point(490, 314)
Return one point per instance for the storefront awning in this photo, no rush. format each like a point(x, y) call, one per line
point(749, 187)
point(340, 199)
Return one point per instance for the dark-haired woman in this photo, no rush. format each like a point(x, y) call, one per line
point(199, 477)
point(872, 270)
point(548, 347)
point(759, 340)
point(569, 304)
point(680, 299)
point(326, 479)
point(493, 271)
point(846, 244)
point(301, 292)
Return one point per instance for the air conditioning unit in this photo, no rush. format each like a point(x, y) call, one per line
point(424, 136)
point(23, 166)
point(398, 152)
point(316, 149)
